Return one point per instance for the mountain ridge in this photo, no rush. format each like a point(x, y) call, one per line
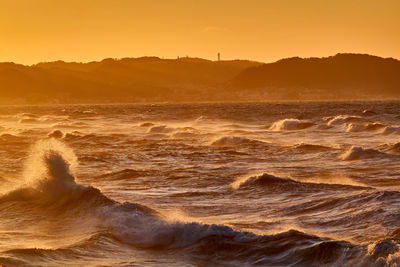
point(153, 79)
point(339, 76)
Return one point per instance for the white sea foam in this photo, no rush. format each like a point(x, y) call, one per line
point(290, 125)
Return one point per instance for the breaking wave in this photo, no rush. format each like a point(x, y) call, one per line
point(341, 119)
point(290, 125)
point(52, 186)
point(356, 152)
point(353, 127)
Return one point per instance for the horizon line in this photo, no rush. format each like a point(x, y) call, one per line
point(190, 57)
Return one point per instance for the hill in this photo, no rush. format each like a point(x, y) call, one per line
point(152, 79)
point(343, 76)
point(117, 80)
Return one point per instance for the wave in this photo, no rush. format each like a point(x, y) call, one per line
point(303, 147)
point(394, 147)
point(341, 119)
point(201, 119)
point(69, 125)
point(53, 189)
point(146, 124)
point(290, 125)
point(184, 134)
point(95, 139)
point(73, 135)
point(6, 137)
point(368, 112)
point(391, 130)
point(56, 134)
point(267, 180)
point(352, 127)
point(356, 153)
point(359, 208)
point(124, 174)
point(225, 247)
point(264, 179)
point(221, 246)
point(234, 141)
point(28, 120)
point(160, 129)
point(53, 186)
point(26, 115)
point(79, 253)
point(353, 201)
point(374, 126)
point(88, 112)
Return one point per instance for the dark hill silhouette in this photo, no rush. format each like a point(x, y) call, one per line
point(348, 76)
point(112, 80)
point(151, 79)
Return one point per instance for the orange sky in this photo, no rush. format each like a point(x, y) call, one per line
point(265, 30)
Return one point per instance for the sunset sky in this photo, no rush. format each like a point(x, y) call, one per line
point(32, 31)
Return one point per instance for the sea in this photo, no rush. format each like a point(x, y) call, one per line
point(207, 184)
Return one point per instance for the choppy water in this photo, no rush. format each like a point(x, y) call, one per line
point(264, 184)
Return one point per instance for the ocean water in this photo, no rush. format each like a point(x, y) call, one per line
point(249, 184)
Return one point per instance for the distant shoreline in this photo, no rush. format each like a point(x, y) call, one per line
point(154, 80)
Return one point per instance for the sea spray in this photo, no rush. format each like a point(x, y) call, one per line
point(50, 162)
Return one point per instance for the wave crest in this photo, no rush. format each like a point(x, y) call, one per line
point(234, 140)
point(391, 130)
point(341, 119)
point(356, 152)
point(290, 125)
point(50, 166)
point(353, 127)
point(266, 179)
point(160, 129)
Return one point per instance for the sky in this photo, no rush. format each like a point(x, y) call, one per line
point(33, 31)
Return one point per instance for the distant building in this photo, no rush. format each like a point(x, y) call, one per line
point(219, 56)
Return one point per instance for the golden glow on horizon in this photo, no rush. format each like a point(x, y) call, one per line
point(265, 30)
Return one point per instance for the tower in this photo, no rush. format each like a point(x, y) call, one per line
point(219, 56)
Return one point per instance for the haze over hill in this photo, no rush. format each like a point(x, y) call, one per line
point(151, 79)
